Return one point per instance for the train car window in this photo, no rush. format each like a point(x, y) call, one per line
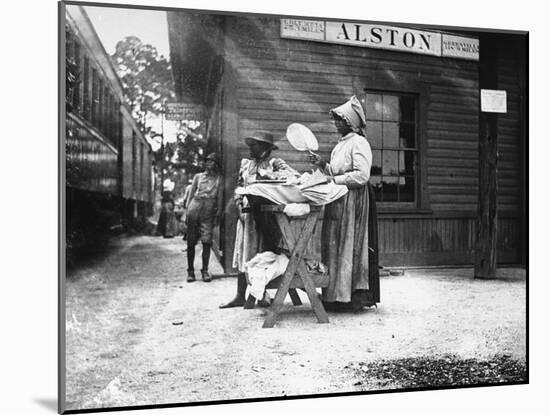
point(134, 159)
point(110, 118)
point(141, 168)
point(95, 98)
point(69, 37)
point(78, 72)
point(100, 105)
point(105, 111)
point(119, 126)
point(86, 89)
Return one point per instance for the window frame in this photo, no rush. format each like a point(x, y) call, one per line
point(414, 150)
point(387, 82)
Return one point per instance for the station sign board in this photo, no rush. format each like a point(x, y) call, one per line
point(379, 36)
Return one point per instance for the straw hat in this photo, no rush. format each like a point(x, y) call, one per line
point(214, 157)
point(262, 136)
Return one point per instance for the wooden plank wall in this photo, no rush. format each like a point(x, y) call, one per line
point(440, 241)
point(281, 81)
point(434, 241)
point(510, 180)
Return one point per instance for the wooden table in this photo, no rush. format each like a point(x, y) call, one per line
point(296, 274)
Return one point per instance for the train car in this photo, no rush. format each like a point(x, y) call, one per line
point(109, 173)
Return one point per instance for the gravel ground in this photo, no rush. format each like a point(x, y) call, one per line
point(138, 334)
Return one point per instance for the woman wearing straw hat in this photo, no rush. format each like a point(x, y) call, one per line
point(256, 231)
point(349, 244)
point(205, 198)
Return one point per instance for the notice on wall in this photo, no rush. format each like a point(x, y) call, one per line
point(177, 111)
point(493, 100)
point(303, 29)
point(459, 47)
point(379, 36)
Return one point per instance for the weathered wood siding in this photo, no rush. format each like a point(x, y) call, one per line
point(274, 82)
point(283, 81)
point(440, 241)
point(280, 81)
point(511, 180)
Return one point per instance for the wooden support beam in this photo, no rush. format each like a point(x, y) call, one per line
point(486, 231)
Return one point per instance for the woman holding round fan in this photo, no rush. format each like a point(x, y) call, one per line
point(349, 244)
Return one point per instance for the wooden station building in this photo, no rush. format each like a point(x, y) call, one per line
point(420, 91)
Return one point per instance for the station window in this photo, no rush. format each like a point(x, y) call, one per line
point(392, 133)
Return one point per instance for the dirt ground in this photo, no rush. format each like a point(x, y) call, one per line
point(138, 334)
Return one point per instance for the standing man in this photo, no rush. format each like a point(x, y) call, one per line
point(204, 209)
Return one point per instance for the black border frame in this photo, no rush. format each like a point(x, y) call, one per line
point(62, 204)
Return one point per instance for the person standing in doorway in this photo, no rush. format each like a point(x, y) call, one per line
point(203, 212)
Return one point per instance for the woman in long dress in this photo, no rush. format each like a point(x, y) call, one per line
point(349, 244)
point(256, 231)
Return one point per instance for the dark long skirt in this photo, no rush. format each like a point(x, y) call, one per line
point(350, 249)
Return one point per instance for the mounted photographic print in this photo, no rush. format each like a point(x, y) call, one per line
point(261, 206)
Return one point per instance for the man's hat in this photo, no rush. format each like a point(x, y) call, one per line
point(214, 157)
point(262, 136)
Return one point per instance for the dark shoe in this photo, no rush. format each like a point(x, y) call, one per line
point(190, 275)
point(265, 301)
point(338, 307)
point(360, 300)
point(206, 277)
point(235, 302)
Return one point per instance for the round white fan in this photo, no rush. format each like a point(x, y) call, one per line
point(301, 138)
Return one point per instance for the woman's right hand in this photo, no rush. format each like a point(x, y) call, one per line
point(317, 160)
point(240, 212)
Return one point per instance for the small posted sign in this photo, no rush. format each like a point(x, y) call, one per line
point(177, 111)
point(493, 100)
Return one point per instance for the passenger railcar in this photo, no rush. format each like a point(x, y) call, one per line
point(109, 173)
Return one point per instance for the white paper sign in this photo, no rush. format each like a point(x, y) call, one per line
point(493, 100)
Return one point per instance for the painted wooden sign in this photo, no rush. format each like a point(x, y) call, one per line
point(378, 36)
point(177, 111)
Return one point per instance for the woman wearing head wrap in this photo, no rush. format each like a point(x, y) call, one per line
point(349, 244)
point(205, 198)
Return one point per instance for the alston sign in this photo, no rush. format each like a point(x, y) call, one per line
point(382, 37)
